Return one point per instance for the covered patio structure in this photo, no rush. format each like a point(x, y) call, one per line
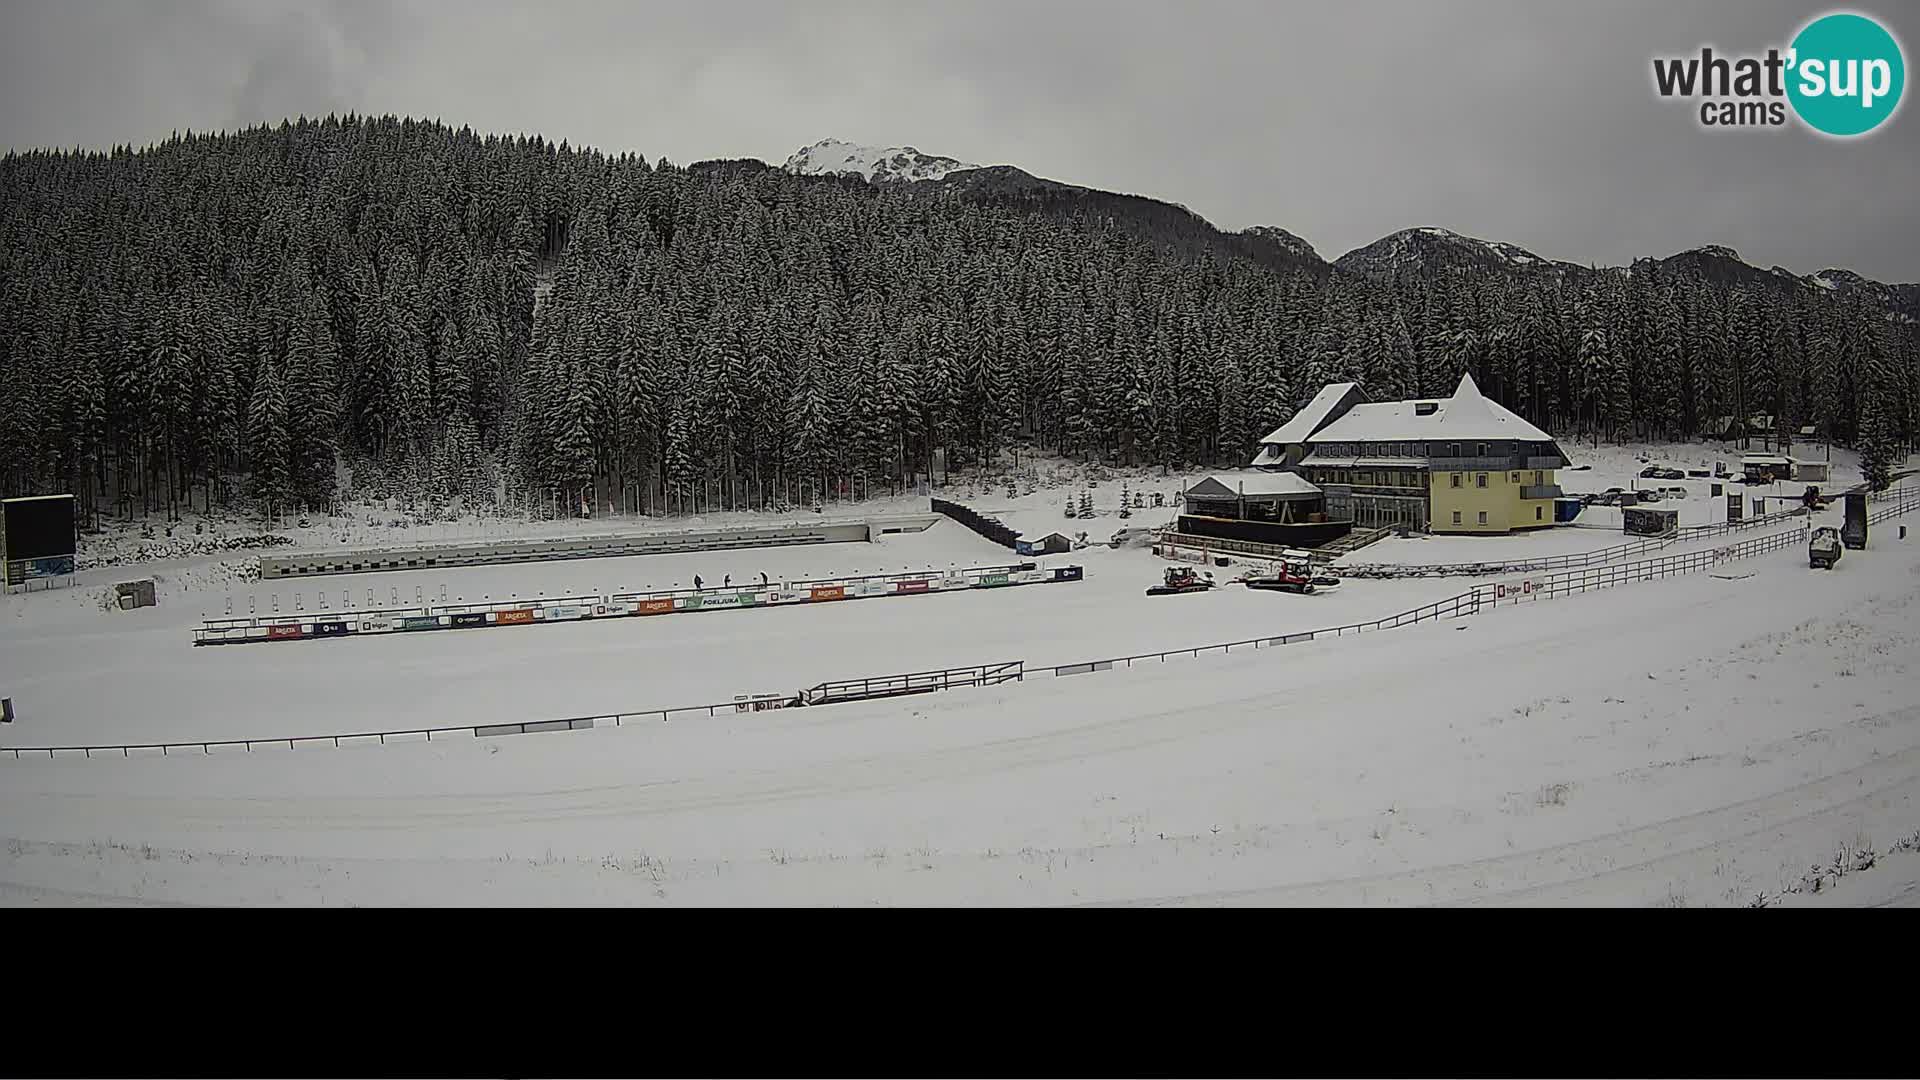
point(1279, 497)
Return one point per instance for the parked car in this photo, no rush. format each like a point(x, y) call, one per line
point(1648, 495)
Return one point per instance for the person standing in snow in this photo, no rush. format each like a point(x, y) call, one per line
point(763, 579)
point(696, 581)
point(727, 582)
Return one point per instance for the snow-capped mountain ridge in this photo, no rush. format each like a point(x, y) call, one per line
point(1421, 248)
point(1286, 240)
point(1431, 246)
point(874, 164)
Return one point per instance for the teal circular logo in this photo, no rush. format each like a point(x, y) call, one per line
point(1846, 74)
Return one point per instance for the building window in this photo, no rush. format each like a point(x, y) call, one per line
point(1456, 517)
point(1536, 478)
point(1515, 478)
point(1537, 512)
point(1483, 517)
point(1456, 478)
point(1481, 480)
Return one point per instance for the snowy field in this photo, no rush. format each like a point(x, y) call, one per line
point(1700, 741)
point(80, 675)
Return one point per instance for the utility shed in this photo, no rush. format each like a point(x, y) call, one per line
point(1766, 468)
point(1812, 472)
point(1649, 520)
point(1049, 544)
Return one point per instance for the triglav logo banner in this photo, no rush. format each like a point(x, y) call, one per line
point(1842, 76)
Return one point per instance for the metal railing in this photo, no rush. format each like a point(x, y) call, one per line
point(838, 691)
point(1573, 561)
point(1467, 603)
point(293, 742)
point(1585, 580)
point(1910, 502)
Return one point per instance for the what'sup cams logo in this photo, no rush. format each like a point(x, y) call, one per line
point(1842, 76)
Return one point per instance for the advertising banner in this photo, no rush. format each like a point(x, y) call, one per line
point(283, 633)
point(1513, 592)
point(829, 592)
point(470, 618)
point(21, 571)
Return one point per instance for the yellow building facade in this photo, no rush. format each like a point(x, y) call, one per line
point(1490, 501)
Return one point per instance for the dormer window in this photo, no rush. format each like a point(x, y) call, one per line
point(1425, 408)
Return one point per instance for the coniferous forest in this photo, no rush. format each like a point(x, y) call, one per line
point(222, 320)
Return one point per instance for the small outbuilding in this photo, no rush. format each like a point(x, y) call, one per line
point(1812, 472)
point(134, 594)
point(1050, 544)
point(1766, 468)
point(1649, 520)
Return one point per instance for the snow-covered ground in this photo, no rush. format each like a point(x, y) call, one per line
point(1695, 741)
point(1701, 740)
point(81, 675)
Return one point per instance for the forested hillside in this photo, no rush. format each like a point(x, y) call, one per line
point(219, 319)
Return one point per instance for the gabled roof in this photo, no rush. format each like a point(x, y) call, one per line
point(1465, 415)
point(1308, 420)
point(1253, 485)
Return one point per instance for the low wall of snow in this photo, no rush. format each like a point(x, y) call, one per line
point(436, 557)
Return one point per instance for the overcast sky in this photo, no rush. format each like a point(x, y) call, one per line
point(1529, 121)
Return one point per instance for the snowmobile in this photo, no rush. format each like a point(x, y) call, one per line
point(1293, 577)
point(1181, 579)
point(1824, 549)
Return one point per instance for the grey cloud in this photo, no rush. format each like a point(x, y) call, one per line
point(1530, 122)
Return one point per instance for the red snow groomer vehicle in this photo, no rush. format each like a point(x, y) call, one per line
point(1181, 579)
point(1292, 576)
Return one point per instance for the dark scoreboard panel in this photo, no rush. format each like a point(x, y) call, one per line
point(38, 537)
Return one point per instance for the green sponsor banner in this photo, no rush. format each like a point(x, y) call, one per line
point(692, 603)
point(419, 622)
point(991, 579)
